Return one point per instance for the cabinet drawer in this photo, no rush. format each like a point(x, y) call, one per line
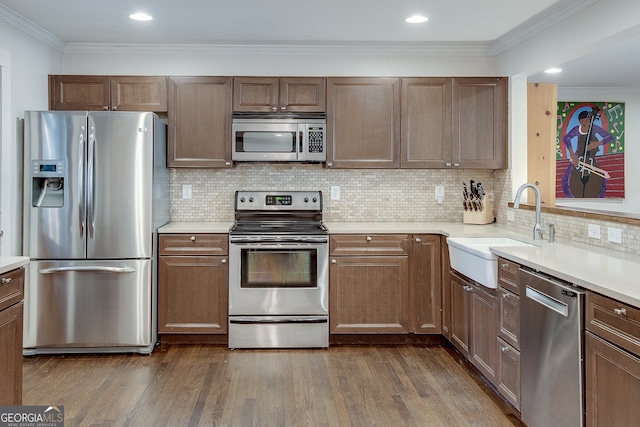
point(193, 244)
point(509, 327)
point(508, 274)
point(614, 321)
point(368, 244)
point(11, 288)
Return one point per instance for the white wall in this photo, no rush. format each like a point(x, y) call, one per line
point(25, 63)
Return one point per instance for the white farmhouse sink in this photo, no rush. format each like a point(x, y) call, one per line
point(471, 257)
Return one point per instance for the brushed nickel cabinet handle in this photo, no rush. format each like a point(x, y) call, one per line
point(620, 311)
point(333, 261)
point(418, 239)
point(368, 238)
point(505, 265)
point(193, 238)
point(224, 261)
point(6, 280)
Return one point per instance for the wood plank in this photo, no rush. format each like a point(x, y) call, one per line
point(195, 385)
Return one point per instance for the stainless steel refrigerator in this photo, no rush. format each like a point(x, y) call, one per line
point(96, 189)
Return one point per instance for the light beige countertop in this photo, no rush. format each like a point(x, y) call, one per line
point(195, 227)
point(611, 273)
point(8, 263)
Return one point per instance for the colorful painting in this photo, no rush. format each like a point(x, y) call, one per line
point(590, 150)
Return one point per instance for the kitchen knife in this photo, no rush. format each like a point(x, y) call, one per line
point(465, 195)
point(480, 190)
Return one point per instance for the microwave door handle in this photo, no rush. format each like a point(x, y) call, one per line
point(300, 143)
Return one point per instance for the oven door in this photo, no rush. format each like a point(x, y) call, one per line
point(265, 141)
point(288, 277)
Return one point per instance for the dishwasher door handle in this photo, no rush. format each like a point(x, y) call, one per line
point(547, 301)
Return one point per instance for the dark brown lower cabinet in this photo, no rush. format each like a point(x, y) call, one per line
point(508, 375)
point(474, 323)
point(11, 313)
point(612, 384)
point(193, 284)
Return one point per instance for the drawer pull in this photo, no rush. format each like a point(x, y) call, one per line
point(505, 295)
point(468, 288)
point(504, 349)
point(333, 261)
point(504, 266)
point(223, 261)
point(193, 238)
point(418, 239)
point(620, 311)
point(6, 280)
point(368, 238)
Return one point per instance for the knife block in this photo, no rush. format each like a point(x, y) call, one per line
point(484, 216)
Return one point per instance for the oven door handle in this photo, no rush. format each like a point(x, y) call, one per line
point(267, 319)
point(318, 240)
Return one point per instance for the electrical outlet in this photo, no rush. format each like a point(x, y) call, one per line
point(594, 231)
point(439, 194)
point(186, 191)
point(511, 216)
point(335, 192)
point(614, 235)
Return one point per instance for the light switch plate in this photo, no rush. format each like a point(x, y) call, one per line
point(594, 231)
point(335, 192)
point(439, 193)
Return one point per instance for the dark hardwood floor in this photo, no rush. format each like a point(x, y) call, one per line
point(196, 385)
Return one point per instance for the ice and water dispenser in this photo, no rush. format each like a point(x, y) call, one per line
point(47, 183)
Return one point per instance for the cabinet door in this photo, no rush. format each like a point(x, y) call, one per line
point(368, 294)
point(446, 288)
point(79, 92)
point(612, 381)
point(460, 300)
point(425, 285)
point(255, 94)
point(193, 294)
point(139, 93)
point(200, 122)
point(303, 94)
point(509, 318)
point(426, 123)
point(363, 122)
point(483, 331)
point(11, 355)
point(479, 139)
point(508, 381)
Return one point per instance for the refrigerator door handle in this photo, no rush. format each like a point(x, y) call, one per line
point(90, 180)
point(87, 268)
point(82, 206)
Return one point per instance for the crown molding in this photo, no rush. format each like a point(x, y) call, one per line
point(310, 49)
point(33, 30)
point(539, 23)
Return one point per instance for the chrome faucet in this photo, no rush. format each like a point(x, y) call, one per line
point(537, 228)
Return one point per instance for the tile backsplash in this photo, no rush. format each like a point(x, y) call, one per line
point(365, 194)
point(401, 195)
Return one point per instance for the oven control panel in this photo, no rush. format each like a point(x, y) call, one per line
point(278, 200)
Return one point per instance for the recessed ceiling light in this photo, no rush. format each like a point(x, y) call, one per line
point(416, 19)
point(553, 71)
point(141, 16)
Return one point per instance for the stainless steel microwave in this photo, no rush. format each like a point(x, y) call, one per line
point(279, 139)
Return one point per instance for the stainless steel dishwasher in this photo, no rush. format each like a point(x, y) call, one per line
point(552, 348)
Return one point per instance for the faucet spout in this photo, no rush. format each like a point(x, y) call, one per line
point(537, 228)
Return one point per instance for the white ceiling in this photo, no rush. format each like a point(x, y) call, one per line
point(249, 21)
point(325, 23)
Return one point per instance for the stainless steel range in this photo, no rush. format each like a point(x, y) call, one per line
point(278, 271)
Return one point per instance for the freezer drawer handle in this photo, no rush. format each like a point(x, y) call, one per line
point(88, 268)
point(547, 301)
point(253, 320)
